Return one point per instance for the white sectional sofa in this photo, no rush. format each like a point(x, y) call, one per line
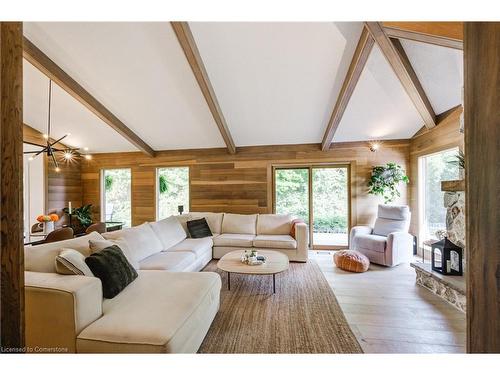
point(168, 308)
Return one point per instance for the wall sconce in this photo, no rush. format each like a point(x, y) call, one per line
point(374, 146)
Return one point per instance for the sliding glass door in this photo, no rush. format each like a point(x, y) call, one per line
point(319, 195)
point(330, 197)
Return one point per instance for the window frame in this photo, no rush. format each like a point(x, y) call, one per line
point(421, 192)
point(103, 193)
point(157, 188)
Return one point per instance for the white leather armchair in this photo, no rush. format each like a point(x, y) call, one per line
point(388, 242)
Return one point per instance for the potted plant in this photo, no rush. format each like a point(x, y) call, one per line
point(385, 180)
point(83, 214)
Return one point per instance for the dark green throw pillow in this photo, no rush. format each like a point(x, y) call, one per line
point(199, 228)
point(114, 270)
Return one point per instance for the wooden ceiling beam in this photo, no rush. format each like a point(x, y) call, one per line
point(188, 45)
point(394, 32)
point(361, 54)
point(48, 67)
point(448, 30)
point(397, 58)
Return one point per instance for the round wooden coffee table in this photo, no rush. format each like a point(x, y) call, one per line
point(276, 262)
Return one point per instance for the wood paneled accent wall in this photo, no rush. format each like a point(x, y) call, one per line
point(241, 183)
point(444, 136)
point(61, 187)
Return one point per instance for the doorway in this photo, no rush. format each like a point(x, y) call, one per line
point(319, 195)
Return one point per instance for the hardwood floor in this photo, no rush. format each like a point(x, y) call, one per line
point(389, 313)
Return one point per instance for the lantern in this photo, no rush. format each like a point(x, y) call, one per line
point(447, 258)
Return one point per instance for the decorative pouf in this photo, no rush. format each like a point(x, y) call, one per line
point(351, 260)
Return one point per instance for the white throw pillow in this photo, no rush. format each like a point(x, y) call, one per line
point(98, 245)
point(72, 262)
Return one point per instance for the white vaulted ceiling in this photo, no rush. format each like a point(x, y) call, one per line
point(139, 72)
point(276, 83)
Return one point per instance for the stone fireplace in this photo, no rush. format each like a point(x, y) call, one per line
point(450, 288)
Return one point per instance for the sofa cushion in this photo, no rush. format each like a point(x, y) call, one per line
point(241, 224)
point(198, 246)
point(41, 258)
point(214, 219)
point(198, 228)
point(274, 224)
point(141, 240)
point(169, 231)
point(234, 239)
point(98, 245)
point(168, 261)
point(270, 241)
point(172, 316)
point(113, 269)
point(371, 242)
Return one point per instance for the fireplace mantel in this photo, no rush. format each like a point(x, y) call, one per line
point(453, 185)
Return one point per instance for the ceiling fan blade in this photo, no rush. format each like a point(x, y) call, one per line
point(30, 152)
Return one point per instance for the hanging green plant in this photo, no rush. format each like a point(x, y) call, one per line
point(163, 185)
point(108, 182)
point(385, 181)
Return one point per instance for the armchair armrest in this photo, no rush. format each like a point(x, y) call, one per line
point(302, 238)
point(59, 307)
point(357, 230)
point(399, 248)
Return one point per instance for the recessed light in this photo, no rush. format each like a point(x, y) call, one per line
point(30, 158)
point(374, 146)
point(88, 157)
point(45, 136)
point(58, 169)
point(85, 149)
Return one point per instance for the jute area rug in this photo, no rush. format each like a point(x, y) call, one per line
point(302, 317)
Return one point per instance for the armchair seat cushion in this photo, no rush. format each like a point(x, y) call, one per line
point(271, 241)
point(234, 240)
point(371, 242)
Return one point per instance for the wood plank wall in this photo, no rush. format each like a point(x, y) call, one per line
point(241, 183)
point(444, 136)
point(61, 187)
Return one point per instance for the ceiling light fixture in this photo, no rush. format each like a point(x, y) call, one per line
point(49, 148)
point(374, 146)
point(88, 157)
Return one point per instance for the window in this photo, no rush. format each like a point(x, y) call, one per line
point(116, 197)
point(173, 191)
point(433, 169)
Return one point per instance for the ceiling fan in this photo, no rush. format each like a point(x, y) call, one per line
point(51, 148)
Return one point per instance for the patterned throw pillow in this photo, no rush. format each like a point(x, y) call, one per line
point(199, 228)
point(113, 269)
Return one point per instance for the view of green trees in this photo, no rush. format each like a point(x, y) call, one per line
point(117, 196)
point(436, 168)
point(173, 192)
point(330, 197)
